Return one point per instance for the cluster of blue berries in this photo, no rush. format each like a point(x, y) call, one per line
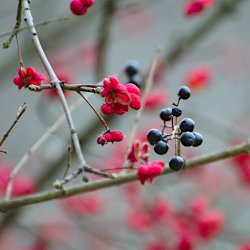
point(132, 71)
point(182, 132)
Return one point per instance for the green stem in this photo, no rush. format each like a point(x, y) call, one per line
point(122, 179)
point(16, 28)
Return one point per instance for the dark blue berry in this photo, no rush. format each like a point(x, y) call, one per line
point(176, 163)
point(198, 139)
point(176, 112)
point(187, 139)
point(136, 80)
point(153, 136)
point(184, 93)
point(187, 124)
point(166, 114)
point(161, 148)
point(132, 68)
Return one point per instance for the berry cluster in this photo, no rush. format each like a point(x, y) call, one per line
point(132, 71)
point(80, 7)
point(182, 132)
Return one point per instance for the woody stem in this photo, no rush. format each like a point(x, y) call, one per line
point(92, 107)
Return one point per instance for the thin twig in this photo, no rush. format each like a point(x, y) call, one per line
point(95, 89)
point(3, 34)
point(184, 44)
point(54, 80)
point(19, 114)
point(173, 55)
point(95, 111)
point(15, 30)
point(103, 39)
point(69, 154)
point(147, 87)
point(121, 179)
point(37, 145)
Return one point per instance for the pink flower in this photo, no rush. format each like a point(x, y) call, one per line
point(185, 242)
point(156, 98)
point(22, 184)
point(149, 172)
point(110, 136)
point(244, 247)
point(84, 205)
point(210, 224)
point(28, 77)
point(139, 152)
point(242, 163)
point(80, 7)
point(194, 7)
point(119, 97)
point(140, 220)
point(198, 78)
point(199, 205)
point(161, 210)
point(156, 245)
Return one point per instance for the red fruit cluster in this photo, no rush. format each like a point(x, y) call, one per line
point(110, 136)
point(208, 222)
point(156, 98)
point(119, 97)
point(198, 78)
point(149, 172)
point(28, 77)
point(144, 217)
point(80, 7)
point(194, 7)
point(139, 152)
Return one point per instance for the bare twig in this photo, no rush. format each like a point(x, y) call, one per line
point(121, 179)
point(19, 114)
point(3, 34)
point(184, 44)
point(95, 111)
point(147, 87)
point(173, 55)
point(103, 39)
point(15, 30)
point(37, 145)
point(69, 155)
point(55, 81)
point(95, 89)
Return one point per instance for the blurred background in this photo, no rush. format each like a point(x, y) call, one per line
point(204, 208)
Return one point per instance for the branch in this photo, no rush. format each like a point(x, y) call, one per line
point(225, 8)
point(103, 39)
point(36, 25)
point(147, 88)
point(19, 114)
point(15, 30)
point(172, 56)
point(57, 83)
point(121, 179)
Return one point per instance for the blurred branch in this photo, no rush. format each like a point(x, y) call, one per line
point(121, 179)
point(147, 88)
point(15, 30)
point(103, 39)
point(19, 114)
point(172, 56)
point(35, 25)
point(57, 83)
point(184, 44)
